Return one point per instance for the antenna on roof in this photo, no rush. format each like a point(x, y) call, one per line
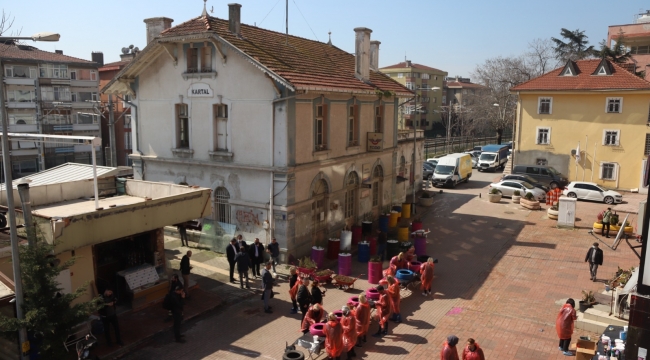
point(330, 40)
point(287, 21)
point(205, 11)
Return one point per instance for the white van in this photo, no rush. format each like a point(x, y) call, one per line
point(452, 169)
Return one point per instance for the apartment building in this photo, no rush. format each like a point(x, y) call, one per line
point(459, 91)
point(49, 93)
point(637, 40)
point(419, 78)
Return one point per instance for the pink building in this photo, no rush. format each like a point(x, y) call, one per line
point(637, 39)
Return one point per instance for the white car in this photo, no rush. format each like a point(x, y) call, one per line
point(508, 187)
point(591, 191)
point(474, 159)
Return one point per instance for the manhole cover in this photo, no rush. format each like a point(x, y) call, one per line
point(509, 212)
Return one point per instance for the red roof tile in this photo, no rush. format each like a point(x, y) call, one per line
point(620, 79)
point(413, 65)
point(114, 65)
point(304, 63)
point(25, 52)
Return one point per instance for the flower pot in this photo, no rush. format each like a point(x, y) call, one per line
point(583, 305)
point(516, 198)
point(530, 204)
point(552, 214)
point(426, 201)
point(494, 198)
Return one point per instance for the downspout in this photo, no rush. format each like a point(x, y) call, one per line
point(518, 132)
point(134, 119)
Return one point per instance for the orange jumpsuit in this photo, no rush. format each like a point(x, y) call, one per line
point(383, 306)
point(349, 331)
point(333, 339)
point(395, 264)
point(311, 317)
point(395, 299)
point(448, 352)
point(564, 323)
point(362, 315)
point(426, 270)
point(477, 354)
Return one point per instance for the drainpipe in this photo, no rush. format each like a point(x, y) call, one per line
point(134, 120)
point(23, 191)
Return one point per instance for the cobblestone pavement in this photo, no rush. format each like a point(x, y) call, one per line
point(502, 275)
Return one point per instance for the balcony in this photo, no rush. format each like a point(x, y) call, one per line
point(54, 81)
point(19, 81)
point(404, 135)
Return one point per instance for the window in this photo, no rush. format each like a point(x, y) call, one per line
point(73, 74)
point(608, 171)
point(409, 85)
point(444, 99)
point(53, 71)
point(21, 119)
point(222, 205)
point(435, 77)
point(24, 167)
point(319, 206)
point(402, 167)
point(20, 71)
point(93, 75)
point(21, 96)
point(377, 176)
point(611, 137)
point(541, 161)
point(400, 75)
point(87, 118)
point(435, 99)
point(73, 97)
point(128, 144)
point(320, 128)
point(532, 170)
point(220, 127)
point(56, 93)
point(86, 96)
point(640, 49)
point(182, 127)
point(127, 121)
point(544, 105)
point(352, 186)
point(379, 115)
point(206, 59)
point(614, 105)
point(192, 60)
point(353, 132)
point(426, 76)
point(647, 144)
point(543, 135)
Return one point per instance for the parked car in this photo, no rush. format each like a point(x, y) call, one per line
point(427, 170)
point(591, 191)
point(493, 157)
point(527, 179)
point(433, 160)
point(544, 174)
point(474, 153)
point(474, 159)
point(508, 187)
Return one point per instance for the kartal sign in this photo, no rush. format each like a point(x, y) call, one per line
point(375, 141)
point(200, 90)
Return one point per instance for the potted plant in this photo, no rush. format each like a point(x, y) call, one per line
point(529, 202)
point(306, 265)
point(588, 300)
point(494, 196)
point(516, 196)
point(374, 269)
point(553, 212)
point(426, 199)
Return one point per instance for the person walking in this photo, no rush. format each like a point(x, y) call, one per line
point(333, 337)
point(426, 278)
point(362, 315)
point(256, 253)
point(395, 298)
point(274, 250)
point(175, 281)
point(294, 285)
point(381, 244)
point(472, 351)
point(348, 322)
point(177, 312)
point(564, 325)
point(594, 258)
point(449, 351)
point(314, 315)
point(383, 306)
point(185, 272)
point(607, 217)
point(243, 264)
point(316, 293)
point(267, 287)
point(231, 251)
point(182, 232)
point(303, 297)
point(108, 315)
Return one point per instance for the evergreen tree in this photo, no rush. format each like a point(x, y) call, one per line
point(575, 48)
point(618, 53)
point(49, 314)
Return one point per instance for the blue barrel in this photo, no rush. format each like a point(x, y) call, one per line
point(383, 223)
point(364, 252)
point(397, 208)
point(404, 275)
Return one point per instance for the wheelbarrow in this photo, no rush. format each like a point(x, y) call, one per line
point(345, 282)
point(323, 276)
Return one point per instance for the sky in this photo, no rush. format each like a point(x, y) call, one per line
point(453, 36)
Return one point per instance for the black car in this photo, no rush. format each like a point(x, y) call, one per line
point(427, 170)
point(527, 179)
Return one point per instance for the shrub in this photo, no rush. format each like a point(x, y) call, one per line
point(494, 191)
point(529, 197)
point(516, 193)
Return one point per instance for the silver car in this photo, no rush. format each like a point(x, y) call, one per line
point(508, 187)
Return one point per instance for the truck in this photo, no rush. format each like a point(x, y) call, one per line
point(452, 169)
point(492, 157)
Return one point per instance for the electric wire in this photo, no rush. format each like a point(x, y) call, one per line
point(276, 4)
point(307, 22)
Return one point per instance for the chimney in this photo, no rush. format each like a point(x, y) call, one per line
point(98, 57)
point(60, 52)
point(157, 25)
point(408, 63)
point(362, 53)
point(374, 55)
point(234, 18)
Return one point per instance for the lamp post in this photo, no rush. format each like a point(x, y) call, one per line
point(415, 137)
point(11, 211)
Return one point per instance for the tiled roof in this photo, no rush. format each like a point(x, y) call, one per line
point(306, 64)
point(620, 79)
point(404, 65)
point(65, 173)
point(25, 52)
point(460, 84)
point(114, 65)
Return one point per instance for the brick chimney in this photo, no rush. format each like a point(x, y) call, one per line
point(362, 53)
point(374, 55)
point(157, 25)
point(234, 18)
point(60, 52)
point(98, 57)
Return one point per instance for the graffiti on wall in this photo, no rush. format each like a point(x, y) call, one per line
point(249, 220)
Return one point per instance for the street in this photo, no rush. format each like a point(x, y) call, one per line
point(502, 275)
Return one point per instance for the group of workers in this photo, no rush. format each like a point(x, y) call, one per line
point(472, 350)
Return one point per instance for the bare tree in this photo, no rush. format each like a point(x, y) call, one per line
point(6, 23)
point(540, 56)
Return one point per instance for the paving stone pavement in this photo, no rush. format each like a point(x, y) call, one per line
point(501, 271)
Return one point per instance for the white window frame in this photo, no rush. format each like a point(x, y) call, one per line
point(221, 114)
point(618, 137)
point(614, 170)
point(400, 75)
point(620, 106)
point(425, 76)
point(602, 71)
point(93, 75)
point(548, 137)
point(550, 105)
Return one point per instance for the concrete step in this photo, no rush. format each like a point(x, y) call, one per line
point(507, 169)
point(590, 325)
point(603, 317)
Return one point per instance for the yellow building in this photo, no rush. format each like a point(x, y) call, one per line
point(592, 108)
point(419, 78)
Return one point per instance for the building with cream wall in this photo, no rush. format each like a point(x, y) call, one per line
point(595, 104)
point(279, 133)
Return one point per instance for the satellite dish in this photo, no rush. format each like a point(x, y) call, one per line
point(131, 46)
point(136, 49)
point(125, 50)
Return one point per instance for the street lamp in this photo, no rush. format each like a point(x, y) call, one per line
point(11, 211)
point(415, 109)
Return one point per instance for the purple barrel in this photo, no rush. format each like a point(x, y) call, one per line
point(420, 244)
point(374, 272)
point(372, 294)
point(345, 264)
point(318, 256)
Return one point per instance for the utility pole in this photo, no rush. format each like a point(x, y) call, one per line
point(111, 132)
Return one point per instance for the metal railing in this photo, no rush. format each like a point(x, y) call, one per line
point(438, 146)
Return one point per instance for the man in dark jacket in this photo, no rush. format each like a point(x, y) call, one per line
point(594, 258)
point(243, 264)
point(109, 317)
point(303, 297)
point(267, 287)
point(381, 243)
point(274, 249)
point(256, 253)
point(231, 251)
point(177, 312)
point(185, 272)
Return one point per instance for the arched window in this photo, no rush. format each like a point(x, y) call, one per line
point(319, 206)
point(377, 177)
point(351, 192)
point(222, 205)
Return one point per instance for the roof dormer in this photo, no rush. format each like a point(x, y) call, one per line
point(603, 68)
point(570, 69)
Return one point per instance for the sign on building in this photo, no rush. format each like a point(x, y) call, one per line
point(200, 90)
point(375, 141)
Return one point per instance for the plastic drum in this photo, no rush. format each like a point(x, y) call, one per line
point(333, 247)
point(383, 223)
point(372, 294)
point(374, 272)
point(317, 329)
point(345, 264)
point(363, 254)
point(404, 275)
point(416, 225)
point(373, 244)
point(403, 233)
point(318, 256)
point(392, 219)
point(392, 248)
point(415, 266)
point(357, 234)
point(420, 245)
point(366, 227)
point(406, 211)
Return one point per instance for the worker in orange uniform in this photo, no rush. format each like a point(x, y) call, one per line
point(410, 255)
point(314, 315)
point(333, 337)
point(383, 306)
point(472, 351)
point(564, 325)
point(396, 263)
point(426, 276)
point(349, 323)
point(395, 299)
point(362, 315)
point(449, 351)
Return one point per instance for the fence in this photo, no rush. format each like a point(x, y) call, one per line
point(438, 146)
